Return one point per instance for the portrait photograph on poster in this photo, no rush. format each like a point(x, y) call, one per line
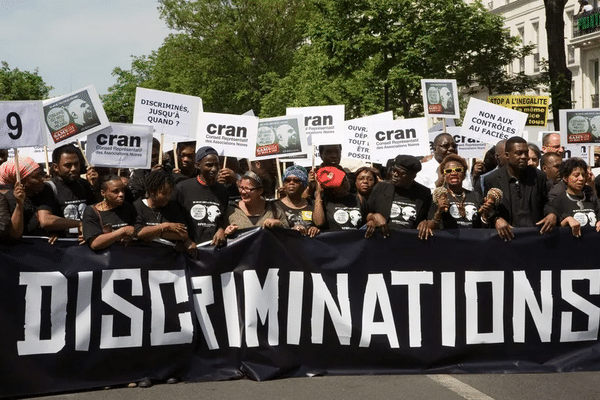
point(580, 126)
point(440, 98)
point(280, 136)
point(76, 114)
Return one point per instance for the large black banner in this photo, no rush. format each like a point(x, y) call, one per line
point(274, 304)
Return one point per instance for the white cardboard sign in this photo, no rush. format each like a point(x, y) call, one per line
point(73, 116)
point(491, 123)
point(322, 124)
point(280, 137)
point(21, 124)
point(466, 147)
point(126, 146)
point(231, 135)
point(401, 136)
point(171, 114)
point(356, 144)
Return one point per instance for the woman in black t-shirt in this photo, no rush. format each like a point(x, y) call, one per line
point(454, 206)
point(158, 216)
point(22, 197)
point(111, 220)
point(576, 205)
point(335, 207)
point(297, 209)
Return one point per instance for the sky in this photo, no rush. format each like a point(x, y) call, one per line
point(78, 43)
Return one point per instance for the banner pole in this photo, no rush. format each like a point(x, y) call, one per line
point(444, 125)
point(83, 154)
point(47, 163)
point(175, 155)
point(18, 172)
point(279, 172)
point(224, 162)
point(162, 139)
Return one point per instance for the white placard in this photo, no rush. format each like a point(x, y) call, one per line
point(401, 136)
point(440, 98)
point(73, 116)
point(21, 124)
point(280, 137)
point(491, 123)
point(35, 153)
point(126, 146)
point(356, 144)
point(322, 124)
point(466, 147)
point(171, 114)
point(231, 135)
point(577, 150)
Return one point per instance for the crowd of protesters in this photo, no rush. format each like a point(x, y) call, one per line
point(208, 200)
point(203, 201)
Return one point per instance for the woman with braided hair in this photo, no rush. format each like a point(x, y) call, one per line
point(158, 217)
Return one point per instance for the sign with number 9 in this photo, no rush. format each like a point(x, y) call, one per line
point(21, 124)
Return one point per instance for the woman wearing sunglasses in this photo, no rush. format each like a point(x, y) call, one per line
point(456, 207)
point(253, 209)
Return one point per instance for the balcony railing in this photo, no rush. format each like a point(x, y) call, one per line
point(587, 22)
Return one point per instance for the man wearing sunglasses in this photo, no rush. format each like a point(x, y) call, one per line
point(525, 193)
point(401, 204)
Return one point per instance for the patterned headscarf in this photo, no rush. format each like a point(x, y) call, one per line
point(8, 170)
point(297, 171)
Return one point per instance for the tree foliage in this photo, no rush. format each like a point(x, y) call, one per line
point(370, 55)
point(396, 43)
point(22, 85)
point(120, 99)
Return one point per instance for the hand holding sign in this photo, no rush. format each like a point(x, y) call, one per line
point(21, 124)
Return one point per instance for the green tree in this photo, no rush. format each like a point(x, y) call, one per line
point(22, 85)
point(120, 99)
point(228, 49)
point(387, 46)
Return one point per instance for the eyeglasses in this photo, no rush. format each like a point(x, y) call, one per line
point(456, 169)
point(246, 189)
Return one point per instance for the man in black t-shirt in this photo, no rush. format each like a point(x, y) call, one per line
point(64, 197)
point(403, 203)
point(204, 200)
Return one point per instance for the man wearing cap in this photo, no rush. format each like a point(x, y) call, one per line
point(403, 203)
point(198, 197)
point(335, 207)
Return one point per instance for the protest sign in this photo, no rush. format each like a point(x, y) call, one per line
point(231, 135)
point(322, 124)
point(126, 146)
point(490, 123)
point(174, 115)
point(356, 143)
point(280, 136)
point(440, 98)
point(21, 124)
point(577, 150)
point(74, 115)
point(536, 107)
point(466, 147)
point(579, 126)
point(401, 136)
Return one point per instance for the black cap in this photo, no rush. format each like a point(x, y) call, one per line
point(205, 151)
point(409, 163)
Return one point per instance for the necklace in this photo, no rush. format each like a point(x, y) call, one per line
point(157, 214)
point(460, 202)
point(576, 199)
